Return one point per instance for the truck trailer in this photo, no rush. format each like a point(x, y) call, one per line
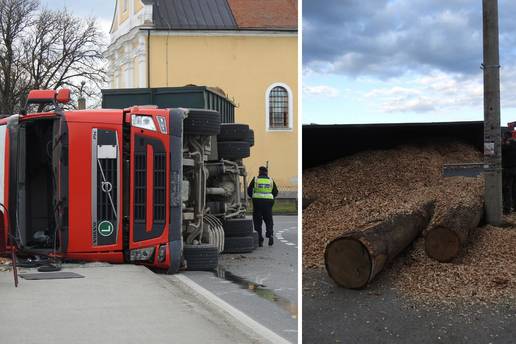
point(163, 187)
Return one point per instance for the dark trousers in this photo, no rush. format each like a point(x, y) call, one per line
point(509, 188)
point(262, 211)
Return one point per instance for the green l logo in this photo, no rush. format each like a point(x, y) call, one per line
point(105, 228)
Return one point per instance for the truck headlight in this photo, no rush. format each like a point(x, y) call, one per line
point(162, 124)
point(142, 254)
point(144, 122)
point(162, 253)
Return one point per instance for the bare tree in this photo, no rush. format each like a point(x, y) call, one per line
point(15, 18)
point(54, 49)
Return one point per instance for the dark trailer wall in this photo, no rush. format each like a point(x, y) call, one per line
point(199, 97)
point(324, 143)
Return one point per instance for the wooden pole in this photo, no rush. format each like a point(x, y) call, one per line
point(492, 134)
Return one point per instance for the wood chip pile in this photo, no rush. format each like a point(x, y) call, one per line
point(369, 186)
point(484, 273)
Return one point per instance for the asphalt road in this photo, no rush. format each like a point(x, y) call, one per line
point(261, 284)
point(112, 304)
point(379, 315)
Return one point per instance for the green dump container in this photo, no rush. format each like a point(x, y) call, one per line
point(200, 97)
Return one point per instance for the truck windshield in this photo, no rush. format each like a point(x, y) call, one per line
point(35, 155)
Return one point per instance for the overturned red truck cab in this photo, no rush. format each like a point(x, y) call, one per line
point(139, 185)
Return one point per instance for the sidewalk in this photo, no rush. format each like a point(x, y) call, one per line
point(112, 304)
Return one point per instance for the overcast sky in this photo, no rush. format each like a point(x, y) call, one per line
point(379, 61)
point(103, 10)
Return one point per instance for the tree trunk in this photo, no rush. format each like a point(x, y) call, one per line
point(450, 227)
point(355, 258)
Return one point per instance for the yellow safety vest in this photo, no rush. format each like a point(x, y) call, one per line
point(263, 188)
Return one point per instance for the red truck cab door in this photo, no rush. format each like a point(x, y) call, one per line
point(155, 186)
point(3, 192)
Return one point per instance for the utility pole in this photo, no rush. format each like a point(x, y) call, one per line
point(492, 131)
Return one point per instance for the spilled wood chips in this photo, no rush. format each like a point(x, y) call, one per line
point(369, 186)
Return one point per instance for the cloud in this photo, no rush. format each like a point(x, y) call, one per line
point(104, 25)
point(386, 39)
point(321, 90)
point(441, 92)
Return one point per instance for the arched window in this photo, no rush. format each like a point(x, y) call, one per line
point(279, 107)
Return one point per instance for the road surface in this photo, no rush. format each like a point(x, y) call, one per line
point(378, 315)
point(113, 304)
point(261, 284)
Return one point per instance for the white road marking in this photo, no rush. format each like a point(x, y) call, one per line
point(279, 236)
point(239, 316)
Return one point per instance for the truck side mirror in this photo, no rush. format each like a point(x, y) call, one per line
point(63, 96)
point(41, 97)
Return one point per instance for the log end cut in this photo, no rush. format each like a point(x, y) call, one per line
point(442, 244)
point(348, 262)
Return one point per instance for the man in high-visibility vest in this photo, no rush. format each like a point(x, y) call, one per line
point(263, 191)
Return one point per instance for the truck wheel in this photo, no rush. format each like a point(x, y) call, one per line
point(202, 257)
point(234, 150)
point(202, 122)
point(238, 228)
point(233, 132)
point(250, 137)
point(239, 244)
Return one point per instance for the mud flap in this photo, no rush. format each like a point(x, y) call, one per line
point(177, 117)
point(176, 173)
point(176, 256)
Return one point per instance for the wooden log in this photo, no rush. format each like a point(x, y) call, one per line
point(355, 258)
point(448, 232)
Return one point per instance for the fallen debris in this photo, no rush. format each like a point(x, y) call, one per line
point(452, 222)
point(484, 273)
point(372, 186)
point(5, 264)
point(355, 258)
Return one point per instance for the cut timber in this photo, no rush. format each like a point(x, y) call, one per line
point(355, 258)
point(450, 227)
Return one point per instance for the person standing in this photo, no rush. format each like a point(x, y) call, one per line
point(263, 191)
point(508, 173)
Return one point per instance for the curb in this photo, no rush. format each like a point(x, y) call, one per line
point(260, 330)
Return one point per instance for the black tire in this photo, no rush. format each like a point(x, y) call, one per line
point(250, 137)
point(203, 257)
point(202, 122)
point(238, 228)
point(234, 150)
point(256, 239)
point(233, 132)
point(239, 244)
